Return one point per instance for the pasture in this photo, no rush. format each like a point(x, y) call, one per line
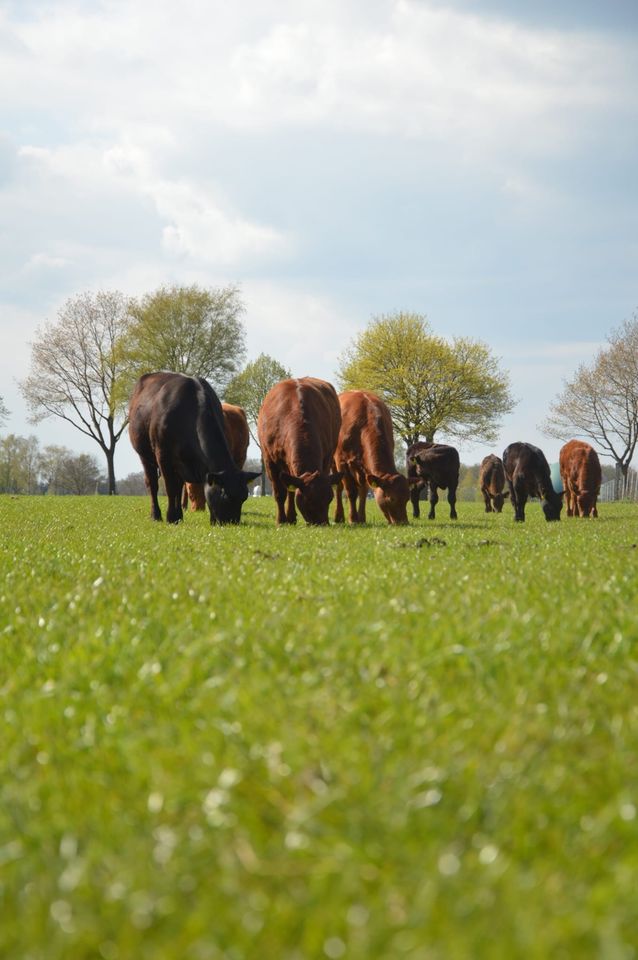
point(301, 743)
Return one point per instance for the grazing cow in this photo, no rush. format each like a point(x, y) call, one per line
point(581, 475)
point(177, 427)
point(491, 482)
point(527, 474)
point(238, 438)
point(298, 427)
point(438, 465)
point(365, 457)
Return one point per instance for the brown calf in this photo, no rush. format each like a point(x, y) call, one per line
point(365, 457)
point(298, 427)
point(581, 475)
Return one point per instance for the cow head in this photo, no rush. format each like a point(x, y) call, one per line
point(313, 493)
point(392, 492)
point(499, 499)
point(552, 506)
point(225, 493)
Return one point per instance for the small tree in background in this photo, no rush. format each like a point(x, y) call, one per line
point(600, 403)
point(4, 413)
point(190, 330)
point(430, 385)
point(77, 370)
point(19, 464)
point(248, 389)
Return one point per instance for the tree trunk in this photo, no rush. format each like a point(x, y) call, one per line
point(110, 465)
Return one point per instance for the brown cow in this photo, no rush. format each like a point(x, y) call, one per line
point(238, 438)
point(177, 428)
point(438, 465)
point(365, 457)
point(581, 475)
point(298, 427)
point(492, 482)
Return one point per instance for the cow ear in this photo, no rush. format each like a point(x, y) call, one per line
point(506, 493)
point(250, 475)
point(292, 483)
point(215, 479)
point(372, 480)
point(335, 477)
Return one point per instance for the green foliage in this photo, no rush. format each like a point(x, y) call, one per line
point(430, 385)
point(19, 464)
point(248, 388)
point(468, 488)
point(188, 330)
point(368, 743)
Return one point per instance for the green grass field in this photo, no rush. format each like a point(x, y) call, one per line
point(302, 743)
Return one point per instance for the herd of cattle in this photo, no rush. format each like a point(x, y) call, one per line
point(314, 442)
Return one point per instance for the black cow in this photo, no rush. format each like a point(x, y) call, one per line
point(176, 426)
point(436, 464)
point(528, 475)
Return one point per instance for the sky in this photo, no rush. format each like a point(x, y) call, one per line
point(473, 161)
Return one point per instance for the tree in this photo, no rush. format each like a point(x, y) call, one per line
point(600, 403)
point(430, 385)
point(4, 413)
point(187, 330)
point(52, 461)
point(77, 372)
point(19, 463)
point(248, 389)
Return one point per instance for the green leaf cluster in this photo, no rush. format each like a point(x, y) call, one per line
point(430, 384)
point(187, 329)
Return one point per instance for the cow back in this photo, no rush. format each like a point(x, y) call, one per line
point(299, 424)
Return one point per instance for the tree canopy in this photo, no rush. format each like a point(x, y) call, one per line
point(4, 413)
point(430, 385)
point(77, 370)
point(600, 402)
point(187, 329)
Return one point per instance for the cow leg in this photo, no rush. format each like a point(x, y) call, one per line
point(434, 499)
point(351, 493)
point(488, 502)
point(362, 493)
point(173, 485)
point(291, 513)
point(569, 500)
point(339, 514)
point(280, 494)
point(184, 497)
point(151, 481)
point(519, 499)
point(415, 490)
point(451, 499)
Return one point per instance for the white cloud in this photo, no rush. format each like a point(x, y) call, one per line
point(46, 261)
point(303, 331)
point(405, 68)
